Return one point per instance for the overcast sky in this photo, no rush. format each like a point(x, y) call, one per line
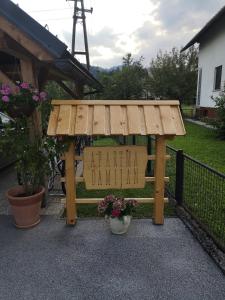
point(117, 27)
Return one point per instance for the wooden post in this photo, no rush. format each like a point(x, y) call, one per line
point(71, 213)
point(160, 152)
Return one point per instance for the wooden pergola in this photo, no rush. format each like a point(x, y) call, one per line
point(105, 118)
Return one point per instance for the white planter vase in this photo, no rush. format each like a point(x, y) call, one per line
point(119, 226)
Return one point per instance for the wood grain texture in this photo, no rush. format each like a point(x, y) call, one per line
point(129, 119)
point(99, 120)
point(97, 200)
point(53, 121)
point(64, 119)
point(82, 120)
point(159, 170)
point(116, 119)
point(115, 167)
point(167, 120)
point(21, 38)
point(117, 102)
point(71, 213)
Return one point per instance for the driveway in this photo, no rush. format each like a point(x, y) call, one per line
point(53, 261)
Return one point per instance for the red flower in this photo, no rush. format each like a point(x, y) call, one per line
point(115, 213)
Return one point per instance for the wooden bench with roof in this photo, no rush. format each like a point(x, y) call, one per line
point(117, 117)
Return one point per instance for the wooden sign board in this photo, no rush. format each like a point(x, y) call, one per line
point(115, 167)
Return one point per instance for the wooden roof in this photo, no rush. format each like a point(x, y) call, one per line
point(115, 117)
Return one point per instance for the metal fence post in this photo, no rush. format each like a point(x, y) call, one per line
point(179, 177)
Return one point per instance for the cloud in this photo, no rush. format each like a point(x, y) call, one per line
point(174, 23)
point(168, 24)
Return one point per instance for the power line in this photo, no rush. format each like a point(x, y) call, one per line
point(48, 10)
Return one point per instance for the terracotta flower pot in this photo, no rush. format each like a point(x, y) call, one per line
point(26, 210)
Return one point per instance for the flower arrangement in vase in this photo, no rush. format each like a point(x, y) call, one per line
point(118, 211)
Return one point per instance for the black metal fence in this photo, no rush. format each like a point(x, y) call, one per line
point(200, 190)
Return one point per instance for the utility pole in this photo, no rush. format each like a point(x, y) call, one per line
point(79, 14)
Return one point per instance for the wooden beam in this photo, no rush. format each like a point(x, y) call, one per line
point(147, 179)
point(29, 75)
point(11, 47)
point(160, 163)
point(20, 37)
point(5, 79)
point(71, 212)
point(117, 102)
point(67, 89)
point(97, 200)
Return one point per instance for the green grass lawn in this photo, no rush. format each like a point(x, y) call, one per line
point(202, 144)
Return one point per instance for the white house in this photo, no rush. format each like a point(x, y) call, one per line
point(211, 63)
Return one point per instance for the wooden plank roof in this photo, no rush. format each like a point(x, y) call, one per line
point(115, 117)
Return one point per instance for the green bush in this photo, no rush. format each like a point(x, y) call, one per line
point(220, 112)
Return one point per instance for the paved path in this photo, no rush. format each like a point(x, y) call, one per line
point(200, 123)
point(52, 261)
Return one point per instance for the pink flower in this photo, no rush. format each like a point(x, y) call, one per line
point(115, 213)
point(43, 95)
point(5, 98)
point(25, 85)
point(35, 98)
point(6, 90)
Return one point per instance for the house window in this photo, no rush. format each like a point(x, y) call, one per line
point(218, 75)
point(199, 86)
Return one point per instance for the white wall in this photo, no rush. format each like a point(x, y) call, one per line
point(211, 55)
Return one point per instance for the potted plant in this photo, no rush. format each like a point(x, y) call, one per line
point(20, 100)
point(30, 153)
point(118, 211)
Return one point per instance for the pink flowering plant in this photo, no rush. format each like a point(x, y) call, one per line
point(116, 207)
point(21, 95)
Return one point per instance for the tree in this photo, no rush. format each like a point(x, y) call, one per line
point(173, 75)
point(126, 82)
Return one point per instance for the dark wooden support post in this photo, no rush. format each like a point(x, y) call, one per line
point(179, 177)
point(160, 165)
point(71, 212)
point(134, 140)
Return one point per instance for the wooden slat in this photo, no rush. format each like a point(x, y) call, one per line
point(116, 119)
point(117, 102)
point(52, 124)
point(97, 200)
point(72, 120)
point(133, 120)
point(147, 179)
point(81, 126)
point(99, 120)
point(65, 113)
point(167, 121)
point(142, 120)
point(124, 120)
point(178, 121)
point(150, 157)
point(152, 124)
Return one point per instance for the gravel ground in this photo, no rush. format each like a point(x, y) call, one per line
point(53, 261)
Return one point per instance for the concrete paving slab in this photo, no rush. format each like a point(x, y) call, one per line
point(52, 261)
